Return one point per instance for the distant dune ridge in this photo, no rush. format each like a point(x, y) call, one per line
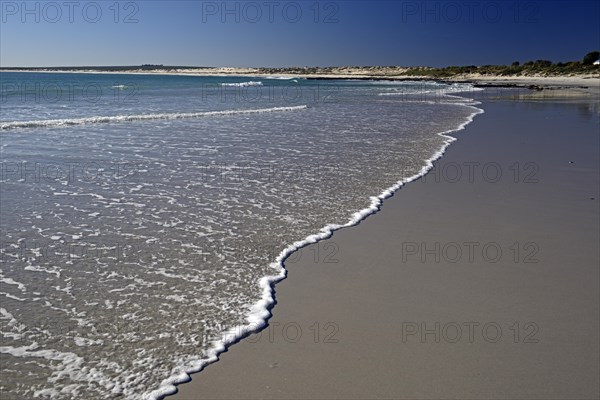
point(561, 80)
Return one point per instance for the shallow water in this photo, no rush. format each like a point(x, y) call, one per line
point(131, 243)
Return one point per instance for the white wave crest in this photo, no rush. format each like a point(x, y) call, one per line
point(436, 89)
point(142, 117)
point(243, 84)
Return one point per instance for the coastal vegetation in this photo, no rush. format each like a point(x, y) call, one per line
point(586, 66)
point(528, 68)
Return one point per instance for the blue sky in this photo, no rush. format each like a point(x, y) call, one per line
point(295, 33)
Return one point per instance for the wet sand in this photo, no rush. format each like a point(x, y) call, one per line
point(479, 281)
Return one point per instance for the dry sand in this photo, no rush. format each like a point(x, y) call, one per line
point(362, 317)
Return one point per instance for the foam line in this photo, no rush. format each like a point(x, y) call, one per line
point(243, 84)
point(141, 117)
point(260, 312)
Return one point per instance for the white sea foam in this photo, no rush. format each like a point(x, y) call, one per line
point(10, 296)
point(71, 367)
point(10, 281)
point(243, 84)
point(141, 117)
point(442, 89)
point(260, 312)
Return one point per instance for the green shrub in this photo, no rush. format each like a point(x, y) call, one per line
point(591, 57)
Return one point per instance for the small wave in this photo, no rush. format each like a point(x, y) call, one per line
point(243, 84)
point(119, 87)
point(430, 88)
point(142, 117)
point(408, 92)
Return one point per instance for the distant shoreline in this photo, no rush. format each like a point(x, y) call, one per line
point(584, 86)
point(358, 73)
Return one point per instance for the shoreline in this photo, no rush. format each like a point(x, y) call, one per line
point(548, 98)
point(261, 312)
point(590, 82)
point(567, 88)
point(316, 282)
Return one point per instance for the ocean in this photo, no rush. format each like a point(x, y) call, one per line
point(144, 218)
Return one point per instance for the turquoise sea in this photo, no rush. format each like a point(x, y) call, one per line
point(144, 218)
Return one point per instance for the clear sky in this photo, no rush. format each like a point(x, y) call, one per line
point(295, 33)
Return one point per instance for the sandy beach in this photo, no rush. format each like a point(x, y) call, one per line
point(300, 200)
point(478, 281)
point(586, 83)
